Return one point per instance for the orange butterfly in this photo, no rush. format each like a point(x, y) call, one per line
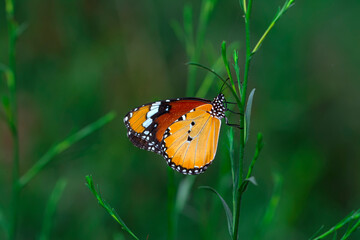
point(185, 131)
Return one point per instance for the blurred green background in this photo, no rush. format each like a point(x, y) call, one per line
point(77, 60)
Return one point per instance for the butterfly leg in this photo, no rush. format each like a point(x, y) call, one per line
point(232, 125)
point(234, 112)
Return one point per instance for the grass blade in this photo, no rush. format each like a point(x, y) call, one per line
point(353, 216)
point(271, 208)
point(286, 6)
point(107, 207)
point(226, 208)
point(184, 192)
point(237, 70)
point(189, 30)
point(226, 63)
point(353, 228)
point(51, 208)
point(218, 68)
point(64, 145)
point(4, 224)
point(258, 148)
point(248, 114)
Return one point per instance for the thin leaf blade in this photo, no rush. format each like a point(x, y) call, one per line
point(64, 145)
point(248, 114)
point(51, 208)
point(106, 206)
point(226, 208)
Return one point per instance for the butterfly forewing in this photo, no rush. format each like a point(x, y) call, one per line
point(184, 131)
point(147, 123)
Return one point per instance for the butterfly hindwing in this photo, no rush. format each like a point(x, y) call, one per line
point(190, 144)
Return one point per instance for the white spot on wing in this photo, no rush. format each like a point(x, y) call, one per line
point(154, 107)
point(147, 123)
point(152, 112)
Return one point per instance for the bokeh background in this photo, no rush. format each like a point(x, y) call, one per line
point(78, 60)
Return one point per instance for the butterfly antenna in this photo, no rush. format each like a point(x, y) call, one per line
point(222, 87)
point(208, 69)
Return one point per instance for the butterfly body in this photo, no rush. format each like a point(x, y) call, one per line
point(184, 131)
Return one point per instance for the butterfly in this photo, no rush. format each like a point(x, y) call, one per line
point(185, 131)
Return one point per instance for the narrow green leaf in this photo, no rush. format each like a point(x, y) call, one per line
point(183, 192)
point(4, 68)
point(248, 114)
point(189, 30)
point(6, 105)
point(179, 32)
point(335, 236)
point(285, 7)
point(107, 207)
point(21, 29)
point(271, 208)
point(51, 208)
point(258, 148)
point(237, 71)
point(353, 216)
point(354, 227)
point(252, 180)
point(226, 208)
point(62, 146)
point(4, 223)
point(231, 154)
point(317, 232)
point(218, 68)
point(226, 62)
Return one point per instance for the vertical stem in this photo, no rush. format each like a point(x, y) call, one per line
point(171, 205)
point(9, 6)
point(240, 179)
point(248, 51)
point(239, 192)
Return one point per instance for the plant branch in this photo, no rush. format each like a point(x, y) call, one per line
point(3, 223)
point(172, 216)
point(353, 216)
point(62, 146)
point(285, 7)
point(51, 208)
point(107, 207)
point(12, 118)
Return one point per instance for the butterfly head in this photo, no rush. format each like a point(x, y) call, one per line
point(218, 109)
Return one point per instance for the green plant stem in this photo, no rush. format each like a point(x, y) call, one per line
point(111, 211)
point(51, 208)
point(248, 51)
point(351, 230)
point(239, 192)
point(62, 146)
point(171, 231)
point(353, 216)
point(9, 8)
point(4, 224)
point(285, 7)
point(207, 7)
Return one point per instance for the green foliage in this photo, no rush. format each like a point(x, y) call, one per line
point(51, 208)
point(64, 145)
point(107, 207)
point(76, 60)
point(353, 221)
point(227, 210)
